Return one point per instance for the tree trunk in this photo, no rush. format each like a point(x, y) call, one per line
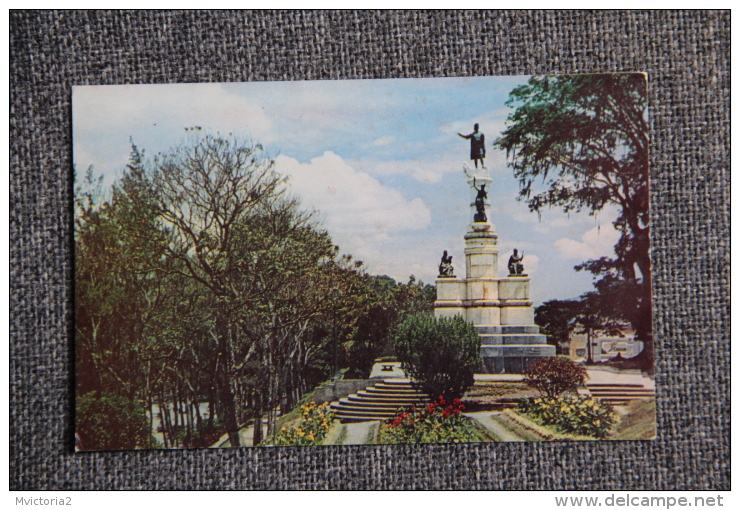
point(257, 435)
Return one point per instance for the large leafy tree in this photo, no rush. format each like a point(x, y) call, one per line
point(579, 143)
point(557, 318)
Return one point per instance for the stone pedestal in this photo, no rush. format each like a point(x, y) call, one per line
point(499, 308)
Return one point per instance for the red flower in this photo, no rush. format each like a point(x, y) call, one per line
point(445, 414)
point(442, 401)
point(456, 402)
point(397, 421)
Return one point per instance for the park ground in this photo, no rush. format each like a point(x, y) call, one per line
point(491, 403)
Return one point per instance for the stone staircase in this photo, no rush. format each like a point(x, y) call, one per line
point(378, 402)
point(619, 394)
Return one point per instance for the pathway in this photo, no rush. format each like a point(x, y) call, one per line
point(486, 419)
point(357, 432)
point(246, 435)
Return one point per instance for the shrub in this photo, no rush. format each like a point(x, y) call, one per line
point(554, 376)
point(311, 430)
point(435, 423)
point(582, 415)
point(440, 355)
point(111, 422)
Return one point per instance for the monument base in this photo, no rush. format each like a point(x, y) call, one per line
point(511, 349)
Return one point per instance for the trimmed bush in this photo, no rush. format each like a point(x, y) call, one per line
point(554, 376)
point(440, 355)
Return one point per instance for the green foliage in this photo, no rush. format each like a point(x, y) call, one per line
point(584, 137)
point(382, 304)
point(556, 319)
point(315, 421)
point(440, 355)
point(111, 422)
point(201, 436)
point(593, 311)
point(553, 376)
point(435, 423)
point(583, 416)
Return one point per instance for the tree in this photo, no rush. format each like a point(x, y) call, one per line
point(557, 320)
point(440, 355)
point(111, 422)
point(553, 376)
point(585, 138)
point(381, 304)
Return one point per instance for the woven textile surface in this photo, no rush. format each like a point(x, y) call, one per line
point(687, 57)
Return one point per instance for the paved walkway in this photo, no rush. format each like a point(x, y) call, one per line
point(246, 435)
point(394, 373)
point(357, 432)
point(499, 377)
point(607, 376)
point(500, 432)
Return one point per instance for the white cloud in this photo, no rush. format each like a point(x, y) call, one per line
point(357, 210)
point(491, 123)
point(427, 172)
point(431, 169)
point(531, 264)
point(597, 242)
point(383, 140)
point(131, 108)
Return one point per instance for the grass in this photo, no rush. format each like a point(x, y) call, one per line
point(637, 422)
point(495, 389)
point(337, 434)
point(516, 429)
point(372, 434)
point(290, 416)
point(493, 395)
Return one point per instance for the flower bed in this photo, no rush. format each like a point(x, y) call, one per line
point(581, 415)
point(435, 423)
point(310, 430)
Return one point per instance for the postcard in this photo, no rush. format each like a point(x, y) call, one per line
point(442, 260)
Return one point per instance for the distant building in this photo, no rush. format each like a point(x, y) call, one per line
point(605, 347)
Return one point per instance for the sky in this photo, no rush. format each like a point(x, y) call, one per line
point(379, 161)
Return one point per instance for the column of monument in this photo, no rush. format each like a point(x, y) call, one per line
point(499, 308)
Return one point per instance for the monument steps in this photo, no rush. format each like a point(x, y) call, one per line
point(379, 402)
point(509, 339)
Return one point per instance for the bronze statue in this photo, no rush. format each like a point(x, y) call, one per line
point(445, 267)
point(480, 203)
point(515, 263)
point(477, 145)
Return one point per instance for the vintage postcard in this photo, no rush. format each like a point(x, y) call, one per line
point(442, 260)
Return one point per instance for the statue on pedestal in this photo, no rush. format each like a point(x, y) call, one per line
point(480, 203)
point(445, 266)
point(477, 145)
point(516, 268)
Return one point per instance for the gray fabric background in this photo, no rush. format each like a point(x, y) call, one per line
point(687, 57)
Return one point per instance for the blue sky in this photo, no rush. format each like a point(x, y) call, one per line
point(378, 160)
